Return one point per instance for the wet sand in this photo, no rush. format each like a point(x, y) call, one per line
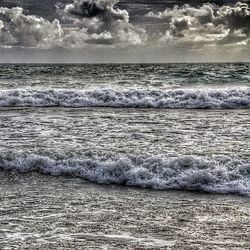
point(45, 212)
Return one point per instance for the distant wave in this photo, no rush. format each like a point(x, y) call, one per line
point(219, 175)
point(198, 99)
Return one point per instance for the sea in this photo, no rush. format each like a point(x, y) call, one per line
point(125, 156)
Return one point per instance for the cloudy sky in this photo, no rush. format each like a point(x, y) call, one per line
point(124, 31)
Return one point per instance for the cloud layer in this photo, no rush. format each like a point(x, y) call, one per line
point(208, 24)
point(101, 23)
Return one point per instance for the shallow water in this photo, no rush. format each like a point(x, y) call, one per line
point(44, 212)
point(165, 127)
point(126, 131)
point(162, 149)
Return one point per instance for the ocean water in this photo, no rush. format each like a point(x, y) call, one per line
point(173, 126)
point(105, 156)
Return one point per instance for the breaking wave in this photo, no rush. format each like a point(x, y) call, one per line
point(217, 175)
point(203, 99)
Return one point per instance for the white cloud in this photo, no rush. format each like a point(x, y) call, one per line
point(18, 29)
point(208, 24)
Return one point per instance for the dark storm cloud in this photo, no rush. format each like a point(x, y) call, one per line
point(86, 9)
point(102, 11)
point(93, 8)
point(102, 21)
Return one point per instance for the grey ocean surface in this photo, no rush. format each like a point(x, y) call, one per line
point(158, 127)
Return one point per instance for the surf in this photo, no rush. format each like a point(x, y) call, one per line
point(222, 175)
point(169, 99)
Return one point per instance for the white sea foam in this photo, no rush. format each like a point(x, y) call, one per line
point(220, 98)
point(217, 175)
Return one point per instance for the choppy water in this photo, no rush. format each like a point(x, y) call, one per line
point(175, 126)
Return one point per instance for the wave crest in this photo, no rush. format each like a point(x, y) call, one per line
point(219, 175)
point(198, 99)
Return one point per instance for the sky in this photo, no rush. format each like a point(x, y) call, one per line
point(135, 31)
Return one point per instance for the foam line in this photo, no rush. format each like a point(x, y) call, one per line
point(190, 99)
point(218, 175)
